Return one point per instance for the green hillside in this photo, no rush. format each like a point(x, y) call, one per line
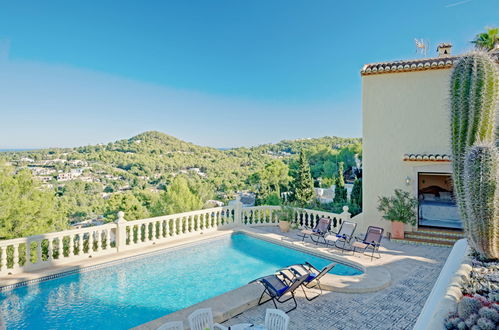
point(94, 181)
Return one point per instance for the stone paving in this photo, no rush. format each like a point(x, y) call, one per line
point(414, 270)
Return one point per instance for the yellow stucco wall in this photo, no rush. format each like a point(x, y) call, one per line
point(402, 113)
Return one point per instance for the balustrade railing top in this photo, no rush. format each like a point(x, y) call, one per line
point(51, 249)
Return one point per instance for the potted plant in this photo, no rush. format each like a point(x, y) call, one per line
point(399, 209)
point(285, 215)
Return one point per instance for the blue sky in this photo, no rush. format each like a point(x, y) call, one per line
point(217, 73)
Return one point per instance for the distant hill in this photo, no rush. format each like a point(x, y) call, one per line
point(152, 158)
point(93, 182)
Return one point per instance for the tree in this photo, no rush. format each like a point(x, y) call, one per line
point(340, 192)
point(127, 203)
point(269, 181)
point(26, 209)
point(487, 40)
point(178, 198)
point(356, 194)
point(304, 185)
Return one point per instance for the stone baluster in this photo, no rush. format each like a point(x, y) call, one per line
point(98, 234)
point(174, 227)
point(139, 233)
point(196, 219)
point(39, 251)
point(91, 242)
point(71, 250)
point(28, 253)
point(207, 216)
point(15, 258)
point(4, 258)
point(161, 227)
point(107, 244)
point(167, 228)
point(182, 224)
point(80, 244)
point(147, 231)
point(60, 248)
point(50, 249)
point(154, 224)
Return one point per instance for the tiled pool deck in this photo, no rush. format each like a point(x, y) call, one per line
point(413, 268)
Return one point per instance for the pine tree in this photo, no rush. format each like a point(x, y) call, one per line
point(340, 192)
point(304, 185)
point(356, 195)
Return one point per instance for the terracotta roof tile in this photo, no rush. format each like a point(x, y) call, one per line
point(427, 158)
point(434, 63)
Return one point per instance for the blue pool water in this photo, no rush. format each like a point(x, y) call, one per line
point(127, 294)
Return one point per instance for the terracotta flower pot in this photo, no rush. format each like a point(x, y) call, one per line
point(284, 226)
point(397, 229)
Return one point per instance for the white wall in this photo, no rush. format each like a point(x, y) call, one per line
point(402, 113)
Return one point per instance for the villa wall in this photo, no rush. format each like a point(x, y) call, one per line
point(403, 113)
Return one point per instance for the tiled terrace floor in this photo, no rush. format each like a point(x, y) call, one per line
point(414, 270)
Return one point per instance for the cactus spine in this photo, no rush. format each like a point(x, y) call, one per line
point(481, 177)
point(474, 92)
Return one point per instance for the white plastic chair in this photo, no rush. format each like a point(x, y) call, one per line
point(275, 319)
point(175, 325)
point(202, 319)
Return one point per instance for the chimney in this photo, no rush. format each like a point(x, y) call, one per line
point(443, 49)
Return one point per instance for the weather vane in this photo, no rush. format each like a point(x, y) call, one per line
point(422, 46)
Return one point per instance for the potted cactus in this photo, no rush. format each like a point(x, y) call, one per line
point(399, 209)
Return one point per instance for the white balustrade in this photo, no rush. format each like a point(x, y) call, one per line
point(47, 250)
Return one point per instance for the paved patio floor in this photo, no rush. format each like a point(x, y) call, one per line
point(414, 270)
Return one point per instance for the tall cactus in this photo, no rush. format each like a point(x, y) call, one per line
point(481, 181)
point(474, 91)
point(474, 94)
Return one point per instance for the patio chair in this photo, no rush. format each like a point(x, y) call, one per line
point(319, 231)
point(313, 276)
point(372, 240)
point(175, 325)
point(277, 286)
point(344, 235)
point(275, 319)
point(202, 319)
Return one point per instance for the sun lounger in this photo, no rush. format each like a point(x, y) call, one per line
point(277, 286)
point(318, 232)
point(372, 240)
point(313, 276)
point(343, 237)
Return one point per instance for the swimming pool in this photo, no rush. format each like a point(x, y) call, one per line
point(127, 294)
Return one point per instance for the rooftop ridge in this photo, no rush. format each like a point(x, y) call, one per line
point(420, 64)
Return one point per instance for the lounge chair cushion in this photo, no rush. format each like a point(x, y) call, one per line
point(275, 283)
point(308, 232)
point(302, 271)
point(332, 238)
point(359, 245)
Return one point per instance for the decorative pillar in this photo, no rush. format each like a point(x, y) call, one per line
point(238, 210)
point(121, 231)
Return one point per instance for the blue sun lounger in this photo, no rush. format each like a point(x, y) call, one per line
point(313, 276)
point(278, 285)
